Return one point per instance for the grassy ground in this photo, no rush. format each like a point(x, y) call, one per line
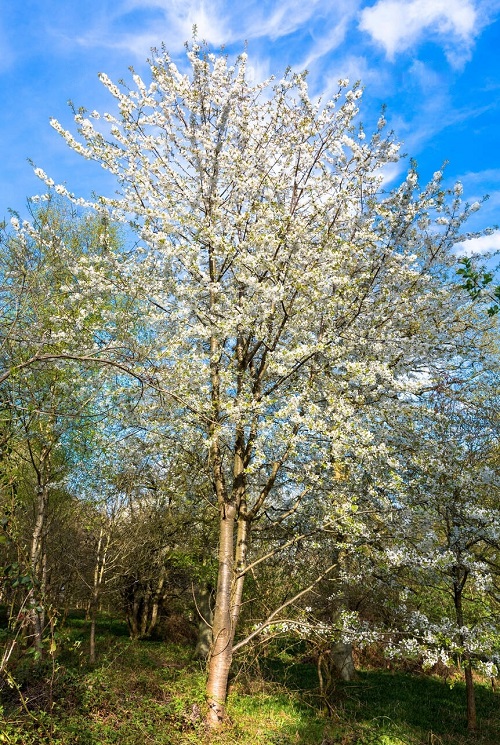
point(152, 693)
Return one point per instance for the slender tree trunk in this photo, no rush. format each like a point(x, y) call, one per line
point(232, 561)
point(233, 523)
point(223, 631)
point(99, 569)
point(242, 539)
point(202, 598)
point(154, 615)
point(221, 652)
point(133, 616)
point(37, 562)
point(469, 681)
point(143, 623)
point(92, 633)
point(471, 696)
point(157, 596)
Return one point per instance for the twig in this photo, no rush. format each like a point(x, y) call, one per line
point(273, 615)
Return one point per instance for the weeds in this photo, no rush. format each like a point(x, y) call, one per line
point(152, 693)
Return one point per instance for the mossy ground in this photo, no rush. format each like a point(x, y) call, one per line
point(152, 693)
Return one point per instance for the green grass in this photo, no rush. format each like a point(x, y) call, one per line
point(152, 693)
point(415, 710)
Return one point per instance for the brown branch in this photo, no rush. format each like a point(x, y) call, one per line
point(143, 380)
point(289, 543)
point(273, 615)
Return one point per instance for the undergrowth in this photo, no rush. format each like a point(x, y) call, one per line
point(152, 693)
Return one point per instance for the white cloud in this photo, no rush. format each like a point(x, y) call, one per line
point(481, 245)
point(220, 22)
point(490, 175)
point(399, 25)
point(258, 69)
point(323, 82)
point(392, 171)
point(172, 25)
point(426, 77)
point(327, 43)
point(285, 18)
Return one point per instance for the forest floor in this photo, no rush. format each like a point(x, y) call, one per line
point(152, 693)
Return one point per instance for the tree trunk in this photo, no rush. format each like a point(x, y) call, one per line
point(202, 598)
point(133, 616)
point(458, 587)
point(92, 633)
point(99, 569)
point(37, 564)
point(343, 664)
point(223, 630)
point(471, 696)
point(144, 620)
point(158, 596)
point(233, 518)
point(242, 539)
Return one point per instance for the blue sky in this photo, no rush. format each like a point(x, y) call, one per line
point(435, 63)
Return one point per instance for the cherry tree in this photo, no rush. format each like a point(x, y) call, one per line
point(434, 556)
point(454, 497)
point(284, 290)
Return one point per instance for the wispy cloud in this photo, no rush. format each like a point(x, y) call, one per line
point(332, 31)
point(391, 172)
point(277, 20)
point(483, 244)
point(170, 22)
point(222, 22)
point(491, 175)
point(435, 114)
point(398, 25)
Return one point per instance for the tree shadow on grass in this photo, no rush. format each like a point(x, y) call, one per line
point(400, 707)
point(106, 624)
point(424, 705)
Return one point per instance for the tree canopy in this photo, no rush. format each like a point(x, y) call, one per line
point(278, 302)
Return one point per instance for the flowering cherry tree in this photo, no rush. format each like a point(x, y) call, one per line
point(449, 528)
point(284, 291)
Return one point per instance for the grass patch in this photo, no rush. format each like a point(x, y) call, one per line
point(415, 710)
point(152, 693)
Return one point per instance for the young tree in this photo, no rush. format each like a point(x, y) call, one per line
point(286, 291)
point(50, 405)
point(433, 540)
point(46, 313)
point(454, 511)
